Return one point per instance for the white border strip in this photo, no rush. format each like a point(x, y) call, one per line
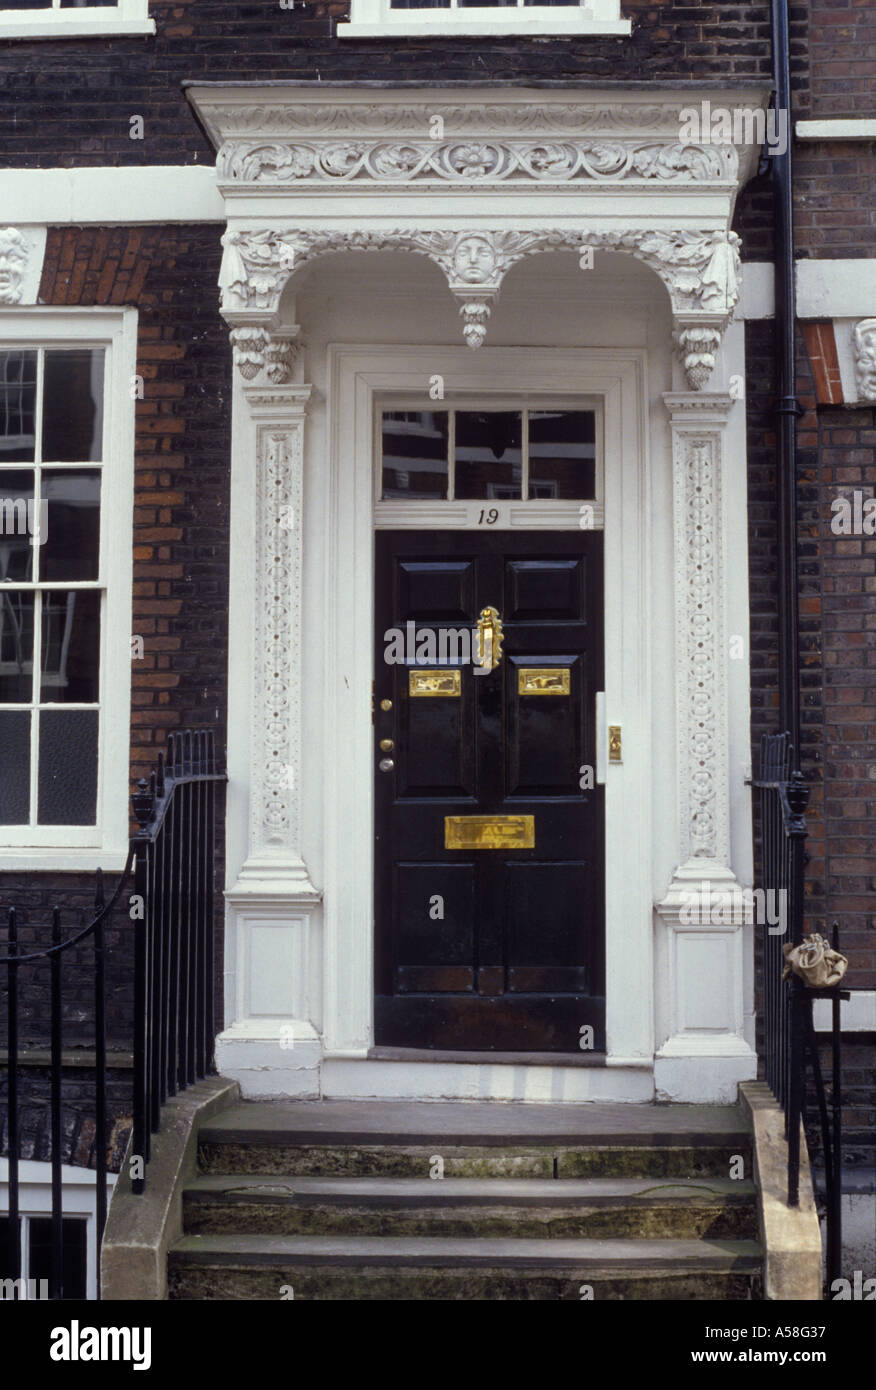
point(863, 128)
point(111, 197)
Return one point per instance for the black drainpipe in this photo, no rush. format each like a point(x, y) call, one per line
point(786, 405)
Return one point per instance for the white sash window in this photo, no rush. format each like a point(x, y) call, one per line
point(66, 476)
point(57, 19)
point(412, 18)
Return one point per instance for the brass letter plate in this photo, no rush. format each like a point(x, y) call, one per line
point(489, 832)
point(543, 680)
point(421, 683)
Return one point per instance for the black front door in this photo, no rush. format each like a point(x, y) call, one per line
point(489, 863)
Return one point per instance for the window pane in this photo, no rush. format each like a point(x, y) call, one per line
point(562, 453)
point(71, 547)
point(16, 646)
point(68, 767)
point(88, 5)
point(71, 647)
point(18, 520)
point(17, 392)
point(26, 5)
point(74, 1258)
point(5, 1267)
point(415, 453)
point(15, 767)
point(73, 406)
point(488, 462)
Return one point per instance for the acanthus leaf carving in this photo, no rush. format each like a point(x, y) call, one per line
point(603, 161)
point(700, 268)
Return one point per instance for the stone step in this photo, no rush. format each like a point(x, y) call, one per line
point(221, 1156)
point(486, 1123)
point(459, 1207)
point(264, 1267)
point(491, 1139)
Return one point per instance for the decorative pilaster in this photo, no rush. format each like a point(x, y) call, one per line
point(273, 1006)
point(698, 422)
point(278, 416)
point(704, 909)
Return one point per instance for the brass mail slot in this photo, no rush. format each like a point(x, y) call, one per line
point(543, 680)
point(422, 683)
point(489, 832)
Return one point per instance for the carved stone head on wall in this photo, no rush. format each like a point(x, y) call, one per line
point(13, 258)
point(864, 341)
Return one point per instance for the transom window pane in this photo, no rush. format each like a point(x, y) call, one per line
point(415, 456)
point(562, 453)
point(51, 598)
point(489, 459)
point(489, 455)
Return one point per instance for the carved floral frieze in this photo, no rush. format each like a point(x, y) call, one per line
point(604, 160)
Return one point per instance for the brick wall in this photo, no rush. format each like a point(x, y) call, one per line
point(181, 460)
point(837, 588)
point(70, 103)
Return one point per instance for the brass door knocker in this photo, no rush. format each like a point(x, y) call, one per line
point(488, 646)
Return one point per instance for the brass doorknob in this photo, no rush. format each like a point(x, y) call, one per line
point(386, 745)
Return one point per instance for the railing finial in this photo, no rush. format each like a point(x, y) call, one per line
point(143, 801)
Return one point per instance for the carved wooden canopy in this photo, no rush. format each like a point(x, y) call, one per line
point(477, 183)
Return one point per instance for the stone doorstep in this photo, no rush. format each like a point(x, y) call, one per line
point(477, 1123)
point(145, 1240)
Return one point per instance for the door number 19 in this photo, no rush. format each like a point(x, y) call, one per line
point(488, 516)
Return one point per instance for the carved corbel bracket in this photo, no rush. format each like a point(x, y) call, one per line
point(475, 307)
point(697, 342)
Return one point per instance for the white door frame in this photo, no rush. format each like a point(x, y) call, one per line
point(299, 945)
point(356, 375)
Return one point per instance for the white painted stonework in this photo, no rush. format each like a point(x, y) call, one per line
point(457, 227)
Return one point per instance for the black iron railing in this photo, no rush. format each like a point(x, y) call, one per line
point(171, 857)
point(26, 971)
point(173, 931)
point(789, 1039)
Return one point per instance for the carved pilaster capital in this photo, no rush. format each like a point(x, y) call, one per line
point(256, 351)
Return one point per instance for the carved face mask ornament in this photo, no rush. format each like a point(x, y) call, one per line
point(815, 961)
